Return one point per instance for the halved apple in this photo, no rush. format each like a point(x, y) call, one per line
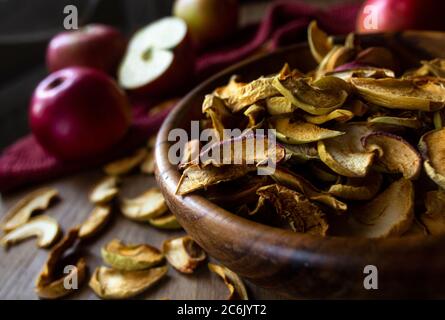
point(159, 57)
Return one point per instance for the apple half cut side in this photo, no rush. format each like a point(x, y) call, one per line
point(159, 58)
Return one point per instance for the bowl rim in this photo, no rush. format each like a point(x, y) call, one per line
point(168, 177)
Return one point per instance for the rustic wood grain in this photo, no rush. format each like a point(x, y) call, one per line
point(20, 264)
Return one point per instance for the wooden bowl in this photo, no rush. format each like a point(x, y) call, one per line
point(296, 265)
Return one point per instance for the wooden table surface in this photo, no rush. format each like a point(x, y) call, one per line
point(20, 265)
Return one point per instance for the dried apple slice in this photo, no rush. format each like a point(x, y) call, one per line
point(407, 94)
point(322, 172)
point(48, 284)
point(319, 42)
point(148, 165)
point(279, 105)
point(23, 210)
point(436, 67)
point(361, 72)
point(215, 109)
point(237, 290)
point(196, 178)
point(255, 115)
point(413, 122)
point(105, 190)
point(183, 254)
point(299, 132)
point(337, 56)
point(432, 146)
point(238, 96)
point(345, 154)
point(300, 184)
point(247, 149)
point(118, 284)
point(301, 214)
point(389, 214)
point(44, 228)
point(434, 216)
point(95, 222)
point(358, 188)
point(127, 164)
point(416, 229)
point(310, 98)
point(395, 154)
point(302, 152)
point(167, 221)
point(130, 257)
point(148, 205)
point(191, 154)
point(339, 115)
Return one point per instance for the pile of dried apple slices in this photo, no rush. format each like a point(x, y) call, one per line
point(359, 145)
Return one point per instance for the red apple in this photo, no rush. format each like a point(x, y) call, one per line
point(78, 113)
point(397, 15)
point(209, 21)
point(159, 58)
point(96, 46)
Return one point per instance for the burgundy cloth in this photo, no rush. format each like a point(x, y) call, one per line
point(25, 162)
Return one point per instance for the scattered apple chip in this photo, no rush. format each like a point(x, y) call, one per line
point(301, 214)
point(195, 177)
point(279, 105)
point(434, 216)
point(389, 214)
point(23, 210)
point(237, 290)
point(183, 254)
point(358, 188)
point(130, 257)
point(148, 165)
point(298, 132)
point(339, 115)
point(167, 221)
point(148, 205)
point(44, 228)
point(432, 145)
point(435, 67)
point(238, 96)
point(413, 123)
point(109, 283)
point(127, 164)
point(95, 222)
point(312, 99)
point(345, 154)
point(296, 182)
point(319, 42)
point(105, 190)
point(48, 284)
point(395, 154)
point(407, 94)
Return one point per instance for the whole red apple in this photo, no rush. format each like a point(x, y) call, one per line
point(398, 15)
point(209, 21)
point(78, 113)
point(96, 46)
